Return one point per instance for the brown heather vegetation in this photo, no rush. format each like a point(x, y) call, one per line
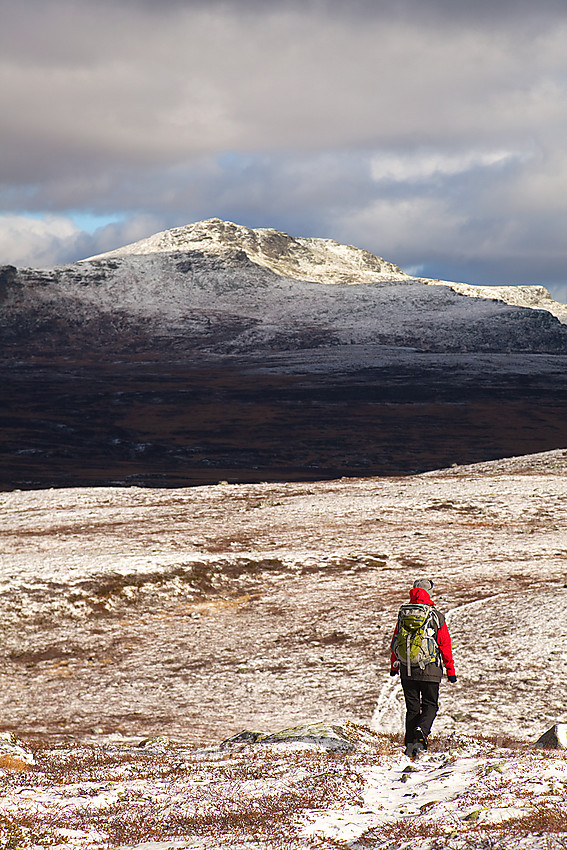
point(244, 796)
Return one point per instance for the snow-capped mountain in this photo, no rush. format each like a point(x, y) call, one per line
point(215, 352)
point(222, 288)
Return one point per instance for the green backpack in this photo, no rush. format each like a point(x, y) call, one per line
point(415, 643)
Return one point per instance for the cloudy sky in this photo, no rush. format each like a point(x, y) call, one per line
point(431, 132)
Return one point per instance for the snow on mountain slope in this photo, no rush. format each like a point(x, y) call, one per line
point(222, 288)
point(320, 260)
point(535, 297)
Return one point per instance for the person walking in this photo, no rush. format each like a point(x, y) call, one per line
point(421, 645)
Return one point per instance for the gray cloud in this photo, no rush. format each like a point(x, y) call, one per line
point(431, 133)
point(114, 87)
point(481, 10)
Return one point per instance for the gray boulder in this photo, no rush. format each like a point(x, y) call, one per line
point(554, 739)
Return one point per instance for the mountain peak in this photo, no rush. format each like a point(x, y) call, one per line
point(319, 260)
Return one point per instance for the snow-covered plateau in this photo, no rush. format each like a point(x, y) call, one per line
point(143, 627)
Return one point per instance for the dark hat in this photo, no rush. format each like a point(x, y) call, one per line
point(424, 584)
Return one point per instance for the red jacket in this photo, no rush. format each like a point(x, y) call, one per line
point(417, 594)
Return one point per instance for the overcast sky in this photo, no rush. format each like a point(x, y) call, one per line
point(431, 132)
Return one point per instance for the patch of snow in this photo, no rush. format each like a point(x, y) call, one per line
point(398, 791)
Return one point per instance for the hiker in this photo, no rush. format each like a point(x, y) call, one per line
point(422, 630)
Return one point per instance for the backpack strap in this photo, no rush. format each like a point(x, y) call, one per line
point(439, 619)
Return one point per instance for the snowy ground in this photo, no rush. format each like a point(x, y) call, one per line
point(197, 613)
point(157, 795)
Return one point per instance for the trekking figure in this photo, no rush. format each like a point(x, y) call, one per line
point(421, 645)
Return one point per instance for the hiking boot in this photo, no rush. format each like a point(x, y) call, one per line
point(409, 750)
point(420, 739)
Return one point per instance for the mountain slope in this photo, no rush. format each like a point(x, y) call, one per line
point(222, 288)
point(317, 260)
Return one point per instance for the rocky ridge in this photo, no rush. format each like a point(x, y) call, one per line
point(315, 260)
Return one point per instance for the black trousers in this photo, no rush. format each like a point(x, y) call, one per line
point(422, 704)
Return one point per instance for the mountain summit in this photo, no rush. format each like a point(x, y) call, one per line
point(321, 260)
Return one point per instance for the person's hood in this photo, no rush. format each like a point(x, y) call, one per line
point(420, 596)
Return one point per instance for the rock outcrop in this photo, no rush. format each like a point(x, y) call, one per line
point(315, 260)
point(554, 739)
point(332, 736)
